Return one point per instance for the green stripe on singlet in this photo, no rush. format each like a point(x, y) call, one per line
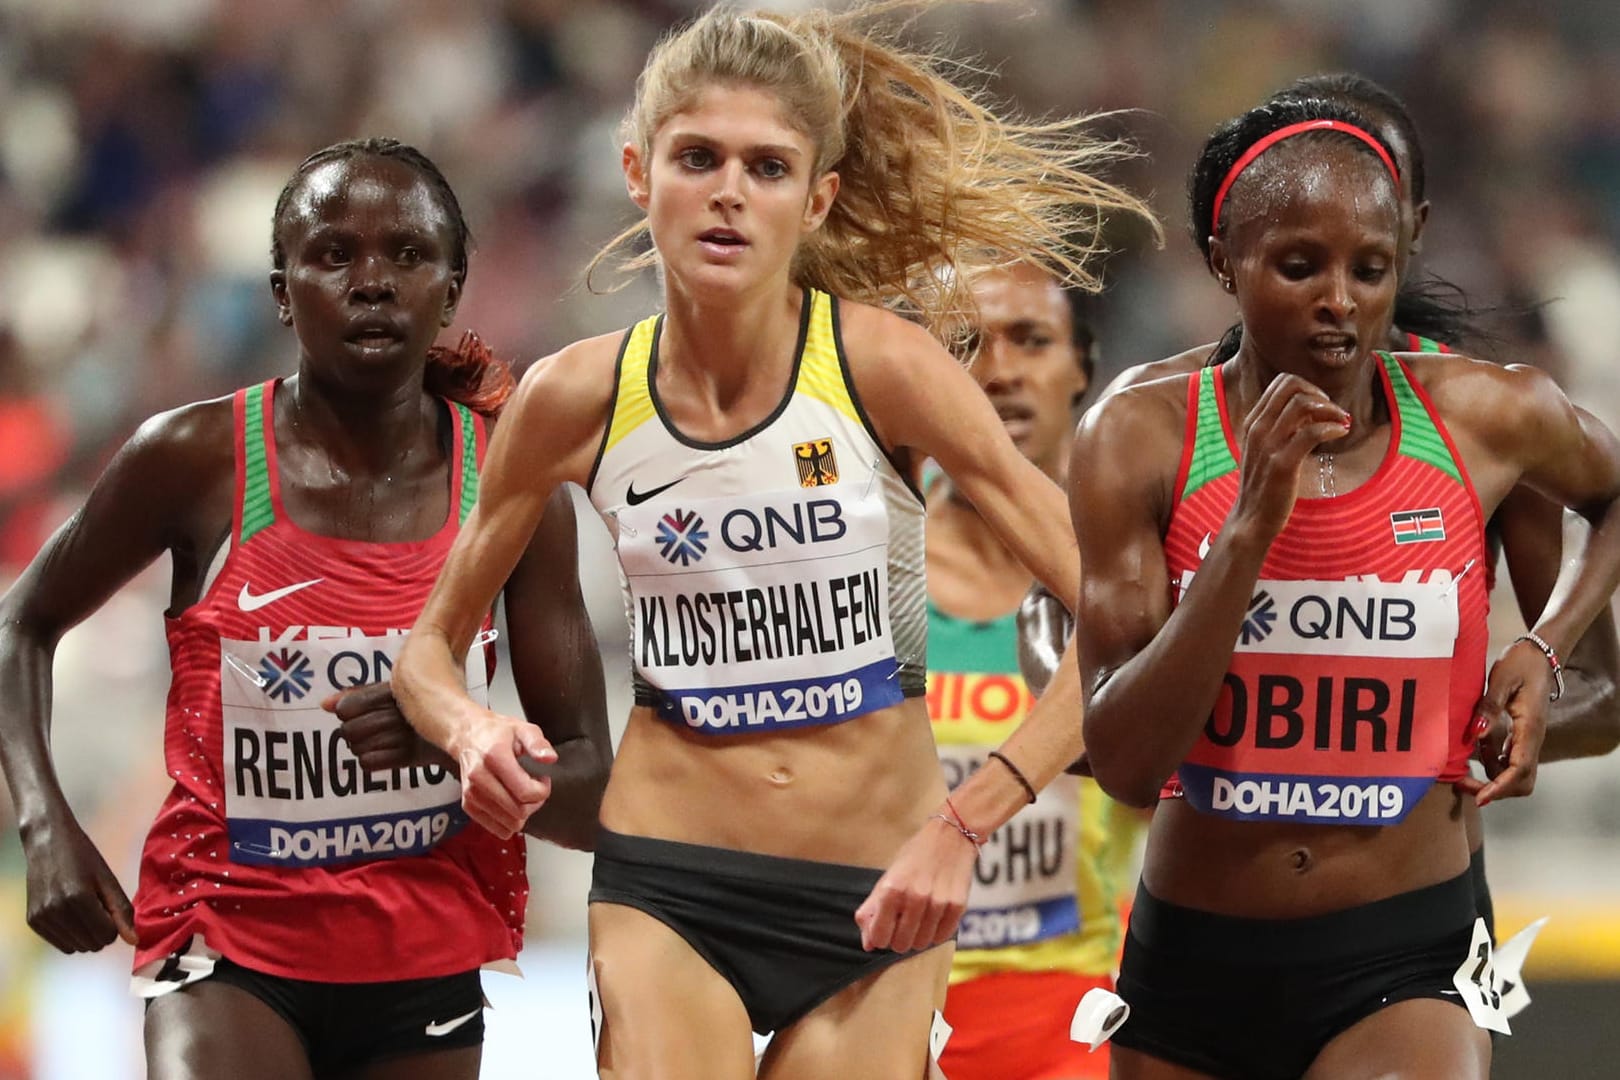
point(1420, 439)
point(257, 510)
point(469, 461)
point(1211, 456)
point(1425, 344)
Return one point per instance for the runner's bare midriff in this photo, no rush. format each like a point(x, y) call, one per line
point(1283, 870)
point(848, 793)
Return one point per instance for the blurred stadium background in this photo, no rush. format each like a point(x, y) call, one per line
point(141, 148)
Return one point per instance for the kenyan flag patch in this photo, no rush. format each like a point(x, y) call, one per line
point(1417, 526)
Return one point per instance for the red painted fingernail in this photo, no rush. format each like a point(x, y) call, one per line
point(1481, 725)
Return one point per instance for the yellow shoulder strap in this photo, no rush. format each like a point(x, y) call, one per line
point(632, 403)
point(821, 375)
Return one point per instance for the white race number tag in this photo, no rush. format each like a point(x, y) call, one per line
point(939, 1033)
point(594, 997)
point(1099, 1014)
point(1510, 957)
point(1478, 983)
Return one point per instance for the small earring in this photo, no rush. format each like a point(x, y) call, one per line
point(1226, 283)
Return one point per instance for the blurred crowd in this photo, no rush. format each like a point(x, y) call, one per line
point(142, 146)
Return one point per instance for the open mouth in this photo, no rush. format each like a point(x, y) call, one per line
point(729, 238)
point(374, 335)
point(1333, 342)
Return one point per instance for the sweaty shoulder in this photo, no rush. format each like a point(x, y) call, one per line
point(178, 473)
point(188, 447)
point(1179, 364)
point(1497, 405)
point(1156, 409)
point(1504, 420)
point(562, 401)
point(1135, 436)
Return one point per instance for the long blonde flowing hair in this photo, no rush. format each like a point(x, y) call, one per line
point(936, 185)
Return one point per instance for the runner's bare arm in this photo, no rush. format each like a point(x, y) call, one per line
point(920, 398)
point(1152, 672)
point(173, 473)
point(1524, 430)
point(542, 441)
point(1516, 426)
point(922, 403)
point(1585, 722)
point(558, 672)
point(548, 435)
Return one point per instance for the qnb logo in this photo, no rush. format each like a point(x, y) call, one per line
point(287, 674)
point(815, 521)
point(1262, 615)
point(681, 537)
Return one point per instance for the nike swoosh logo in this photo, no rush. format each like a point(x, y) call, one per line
point(636, 498)
point(248, 602)
point(448, 1026)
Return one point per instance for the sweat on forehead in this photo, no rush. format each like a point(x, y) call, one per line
point(331, 186)
point(1309, 168)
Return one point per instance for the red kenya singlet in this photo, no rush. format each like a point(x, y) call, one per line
point(273, 844)
point(1354, 678)
point(1419, 343)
